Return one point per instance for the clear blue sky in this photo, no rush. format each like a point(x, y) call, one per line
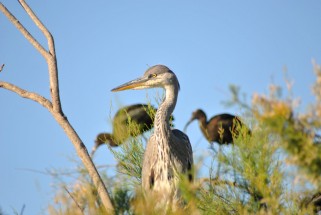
point(101, 44)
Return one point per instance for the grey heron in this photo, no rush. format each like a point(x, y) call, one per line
point(168, 152)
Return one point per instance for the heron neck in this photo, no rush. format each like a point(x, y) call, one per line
point(166, 109)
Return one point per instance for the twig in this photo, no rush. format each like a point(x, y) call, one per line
point(51, 172)
point(49, 56)
point(41, 26)
point(25, 94)
point(24, 31)
point(217, 181)
point(22, 209)
point(75, 201)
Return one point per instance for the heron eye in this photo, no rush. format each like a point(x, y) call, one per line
point(153, 75)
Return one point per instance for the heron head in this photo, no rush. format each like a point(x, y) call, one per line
point(155, 76)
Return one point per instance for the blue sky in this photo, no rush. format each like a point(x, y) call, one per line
point(101, 44)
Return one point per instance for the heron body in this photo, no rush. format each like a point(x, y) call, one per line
point(168, 152)
point(220, 128)
point(142, 115)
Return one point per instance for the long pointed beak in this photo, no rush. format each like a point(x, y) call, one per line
point(134, 84)
point(187, 124)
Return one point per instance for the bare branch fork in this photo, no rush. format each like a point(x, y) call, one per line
point(54, 106)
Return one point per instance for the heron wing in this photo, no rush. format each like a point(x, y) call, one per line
point(148, 167)
point(183, 152)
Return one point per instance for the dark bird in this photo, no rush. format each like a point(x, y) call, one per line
point(219, 128)
point(168, 152)
point(139, 115)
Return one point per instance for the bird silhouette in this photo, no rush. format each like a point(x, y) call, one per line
point(129, 121)
point(220, 128)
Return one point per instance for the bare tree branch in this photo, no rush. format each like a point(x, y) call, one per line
point(23, 209)
point(24, 31)
point(41, 26)
point(25, 94)
point(85, 158)
point(50, 57)
point(54, 107)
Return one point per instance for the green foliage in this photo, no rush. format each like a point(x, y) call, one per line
point(130, 154)
point(121, 200)
point(130, 159)
point(274, 169)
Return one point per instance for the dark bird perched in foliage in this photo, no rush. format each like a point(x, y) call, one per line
point(141, 115)
point(220, 128)
point(168, 152)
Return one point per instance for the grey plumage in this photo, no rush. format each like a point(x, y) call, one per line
point(168, 152)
